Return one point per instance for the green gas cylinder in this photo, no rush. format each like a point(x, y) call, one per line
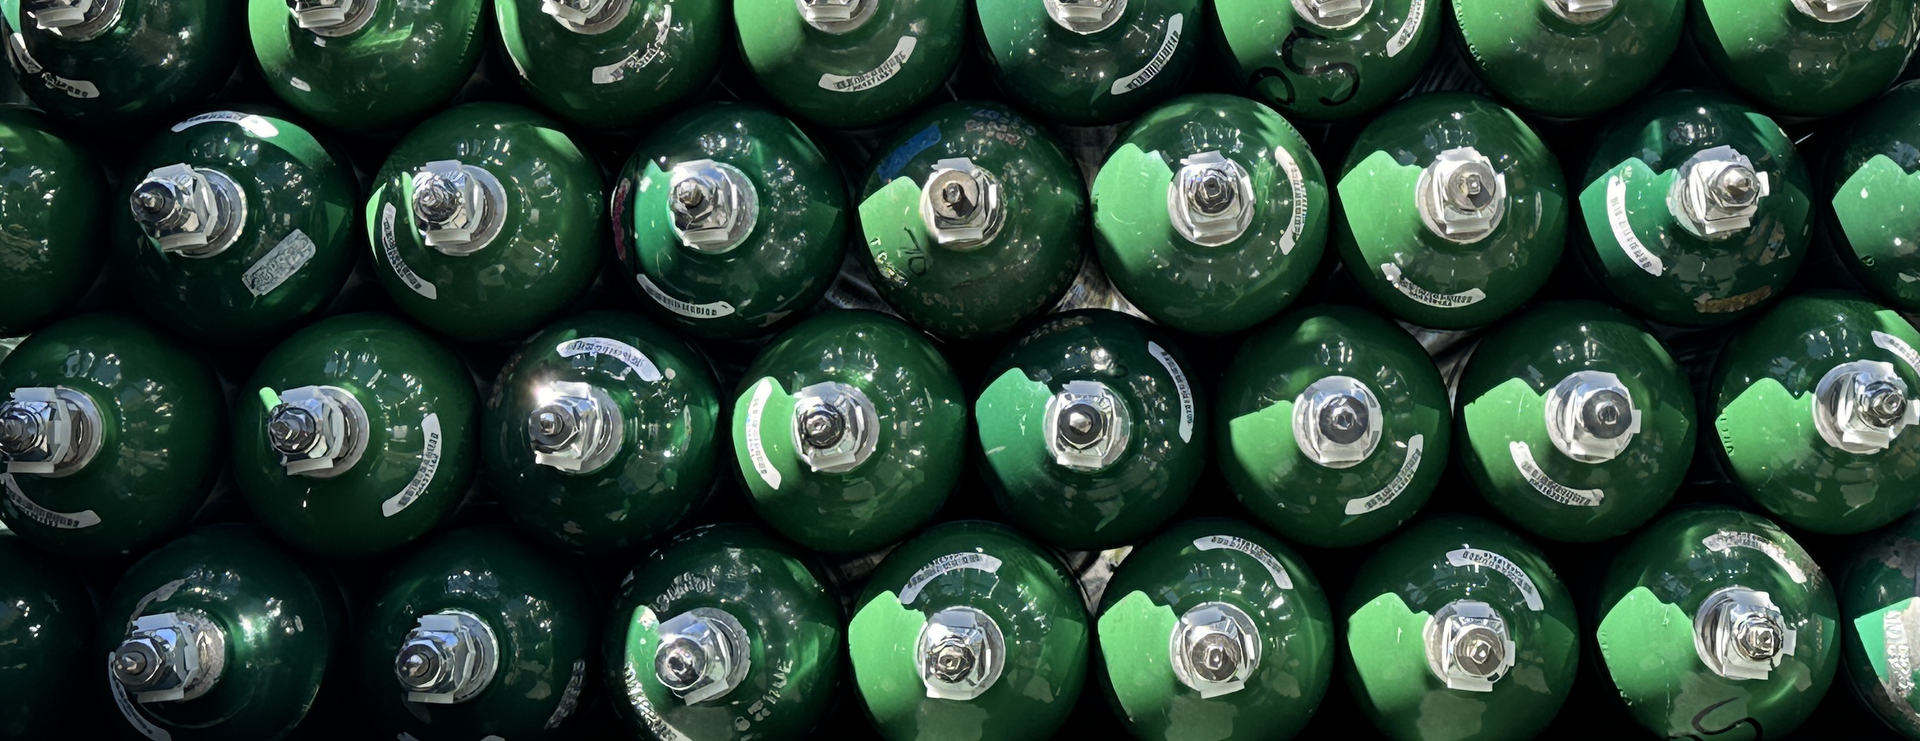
point(1715, 624)
point(46, 622)
point(219, 636)
point(851, 63)
point(602, 433)
point(974, 220)
point(236, 226)
point(1879, 619)
point(1333, 426)
point(612, 64)
point(52, 194)
point(1090, 62)
point(1805, 57)
point(1092, 430)
point(366, 66)
point(1327, 60)
point(1876, 198)
point(1575, 423)
point(1812, 404)
point(1214, 631)
point(111, 434)
point(1697, 209)
point(114, 66)
point(849, 431)
point(355, 436)
point(1452, 213)
point(1569, 58)
point(1211, 213)
point(729, 220)
point(969, 632)
point(486, 222)
point(726, 633)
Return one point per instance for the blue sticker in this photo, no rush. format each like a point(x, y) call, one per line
point(891, 166)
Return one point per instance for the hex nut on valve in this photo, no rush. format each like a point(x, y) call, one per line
point(1468, 646)
point(961, 652)
point(1214, 649)
point(703, 654)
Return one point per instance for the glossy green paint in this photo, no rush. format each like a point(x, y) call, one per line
point(782, 267)
point(297, 243)
point(1426, 568)
point(1551, 65)
point(919, 450)
point(52, 193)
point(793, 624)
point(992, 289)
point(1795, 64)
point(1191, 564)
point(659, 55)
point(548, 249)
point(46, 622)
point(1637, 247)
point(1191, 287)
point(669, 450)
point(283, 621)
point(1507, 451)
point(410, 58)
point(1646, 637)
point(422, 415)
point(158, 59)
point(1262, 460)
point(162, 429)
point(1320, 74)
point(1876, 198)
point(1087, 80)
point(1878, 616)
point(869, 75)
point(1763, 400)
point(543, 618)
point(1379, 231)
point(990, 568)
point(1166, 434)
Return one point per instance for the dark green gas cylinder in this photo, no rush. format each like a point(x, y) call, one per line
point(1452, 213)
point(974, 220)
point(602, 433)
point(1697, 209)
point(52, 194)
point(851, 63)
point(366, 66)
point(1090, 62)
point(1333, 426)
point(115, 66)
point(1814, 404)
point(46, 624)
point(1327, 60)
point(486, 222)
point(1880, 620)
point(235, 226)
point(612, 64)
point(479, 634)
point(1569, 58)
point(111, 434)
point(1805, 57)
point(1092, 430)
point(219, 636)
point(849, 431)
point(1876, 198)
point(1715, 624)
point(1575, 422)
point(1458, 630)
point(724, 633)
point(1214, 631)
point(728, 220)
point(1211, 213)
point(355, 436)
point(969, 632)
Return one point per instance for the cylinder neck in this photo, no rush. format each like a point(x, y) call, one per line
point(1717, 193)
point(318, 431)
point(49, 431)
point(704, 654)
point(1739, 634)
point(1468, 646)
point(575, 428)
point(1214, 649)
point(836, 16)
point(1581, 11)
point(188, 211)
point(1086, 17)
point(332, 18)
point(448, 658)
point(1461, 197)
point(1087, 426)
point(587, 17)
point(713, 205)
point(961, 204)
point(74, 20)
point(1590, 416)
point(1337, 421)
point(835, 427)
point(1211, 202)
point(1332, 15)
point(961, 653)
point(1832, 11)
point(459, 209)
point(1862, 407)
point(170, 657)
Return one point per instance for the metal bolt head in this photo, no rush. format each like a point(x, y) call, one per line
point(158, 203)
point(835, 16)
point(1215, 649)
point(1086, 16)
point(703, 654)
point(440, 198)
point(553, 427)
point(1581, 11)
point(1607, 414)
point(1884, 404)
point(1832, 11)
point(449, 657)
point(1087, 426)
point(1757, 637)
point(1212, 191)
point(1862, 407)
point(1211, 202)
point(422, 664)
point(958, 197)
point(1469, 647)
point(1717, 193)
point(960, 203)
point(1469, 188)
point(1480, 652)
point(713, 205)
point(1337, 422)
point(1082, 425)
point(138, 663)
point(1739, 634)
point(1332, 15)
point(192, 211)
point(20, 429)
point(680, 664)
point(1343, 419)
point(823, 427)
point(960, 652)
point(835, 427)
point(1461, 197)
point(1590, 417)
point(1735, 187)
point(292, 430)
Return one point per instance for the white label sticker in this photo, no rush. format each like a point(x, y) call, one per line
point(872, 78)
point(1898, 347)
point(33, 511)
point(756, 450)
point(429, 465)
point(570, 697)
point(1399, 280)
point(17, 46)
point(391, 248)
point(1623, 229)
point(1168, 45)
point(254, 125)
point(1297, 184)
point(1554, 490)
point(1416, 447)
point(1274, 568)
point(942, 565)
point(1180, 385)
point(134, 717)
point(1416, 14)
point(713, 310)
point(1497, 562)
point(627, 354)
point(279, 264)
point(655, 49)
point(1893, 627)
point(1727, 540)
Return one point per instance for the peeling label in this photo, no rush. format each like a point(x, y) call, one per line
point(1893, 626)
point(1623, 229)
point(17, 45)
point(391, 248)
point(429, 465)
point(279, 264)
point(1274, 568)
point(254, 125)
point(1416, 14)
point(1541, 482)
point(33, 511)
point(1180, 385)
point(628, 355)
point(1168, 45)
point(134, 717)
point(713, 310)
point(1297, 184)
point(1727, 540)
point(1400, 282)
point(757, 450)
point(1898, 347)
point(1706, 304)
point(570, 697)
point(872, 78)
point(1507, 568)
point(639, 59)
point(1416, 447)
point(942, 565)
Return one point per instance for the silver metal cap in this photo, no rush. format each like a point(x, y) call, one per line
point(703, 654)
point(1211, 201)
point(574, 427)
point(1332, 15)
point(961, 652)
point(73, 20)
point(1337, 421)
point(1086, 426)
point(836, 16)
point(190, 211)
point(1862, 406)
point(1717, 193)
point(319, 431)
point(48, 431)
point(1832, 11)
point(1214, 649)
point(458, 208)
point(1739, 634)
point(332, 18)
point(1591, 417)
point(1461, 197)
point(448, 658)
point(1086, 17)
point(587, 17)
point(1581, 11)
point(1468, 646)
point(835, 427)
point(961, 205)
point(170, 657)
point(713, 204)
